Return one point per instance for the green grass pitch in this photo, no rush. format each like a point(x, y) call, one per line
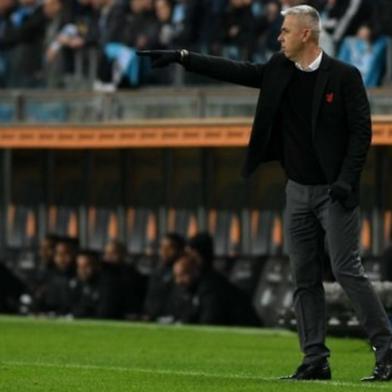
point(61, 355)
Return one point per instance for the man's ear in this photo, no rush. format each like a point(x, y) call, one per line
point(306, 35)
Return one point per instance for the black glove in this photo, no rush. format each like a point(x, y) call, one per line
point(339, 191)
point(162, 58)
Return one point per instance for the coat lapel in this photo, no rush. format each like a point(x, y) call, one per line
point(321, 82)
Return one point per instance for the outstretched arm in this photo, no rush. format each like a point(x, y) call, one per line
point(239, 72)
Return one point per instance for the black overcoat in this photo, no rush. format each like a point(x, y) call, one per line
point(341, 124)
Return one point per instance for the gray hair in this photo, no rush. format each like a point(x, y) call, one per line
point(308, 13)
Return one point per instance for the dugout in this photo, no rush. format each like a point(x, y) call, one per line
point(135, 182)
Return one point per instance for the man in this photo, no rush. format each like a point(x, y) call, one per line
point(53, 295)
point(313, 116)
point(26, 41)
point(160, 283)
point(121, 287)
point(85, 286)
point(203, 296)
point(45, 266)
point(201, 248)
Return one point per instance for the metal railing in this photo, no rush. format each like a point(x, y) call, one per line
point(186, 102)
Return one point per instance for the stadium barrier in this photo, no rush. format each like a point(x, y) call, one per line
point(220, 101)
point(223, 132)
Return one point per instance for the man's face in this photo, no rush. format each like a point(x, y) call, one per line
point(292, 36)
point(52, 8)
point(148, 5)
point(112, 254)
point(236, 3)
point(137, 6)
point(162, 10)
point(63, 256)
point(5, 5)
point(183, 273)
point(364, 33)
point(167, 251)
point(84, 267)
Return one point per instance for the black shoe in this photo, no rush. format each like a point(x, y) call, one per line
point(382, 371)
point(311, 371)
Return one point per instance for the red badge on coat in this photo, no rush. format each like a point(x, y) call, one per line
point(329, 97)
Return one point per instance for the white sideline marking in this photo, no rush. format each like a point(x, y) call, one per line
point(187, 373)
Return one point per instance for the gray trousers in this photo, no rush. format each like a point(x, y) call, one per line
point(310, 216)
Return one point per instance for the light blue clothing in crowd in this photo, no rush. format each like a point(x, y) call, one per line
point(126, 60)
point(370, 59)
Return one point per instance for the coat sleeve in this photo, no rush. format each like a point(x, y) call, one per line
point(359, 126)
point(243, 73)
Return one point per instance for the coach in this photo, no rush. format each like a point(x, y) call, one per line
point(313, 116)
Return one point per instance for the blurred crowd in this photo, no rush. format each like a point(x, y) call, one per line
point(43, 41)
point(182, 286)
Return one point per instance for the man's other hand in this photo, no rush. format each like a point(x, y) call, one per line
point(161, 58)
point(339, 191)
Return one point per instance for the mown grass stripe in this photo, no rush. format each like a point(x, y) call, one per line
point(188, 373)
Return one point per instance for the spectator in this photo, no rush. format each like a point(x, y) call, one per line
point(163, 11)
point(108, 27)
point(342, 18)
point(22, 38)
point(267, 31)
point(46, 252)
point(29, 40)
point(382, 16)
point(85, 286)
point(6, 7)
point(367, 52)
point(55, 295)
point(161, 281)
point(57, 36)
point(205, 34)
point(201, 248)
point(45, 263)
point(141, 29)
point(238, 30)
point(206, 297)
point(185, 19)
point(121, 287)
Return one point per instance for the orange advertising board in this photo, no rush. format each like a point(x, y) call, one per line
point(149, 134)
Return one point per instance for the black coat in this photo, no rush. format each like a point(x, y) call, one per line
point(85, 297)
point(121, 291)
point(340, 114)
point(212, 300)
point(159, 289)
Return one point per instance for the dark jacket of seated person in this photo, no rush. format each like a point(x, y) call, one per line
point(205, 297)
point(85, 286)
point(121, 287)
point(160, 283)
point(54, 295)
